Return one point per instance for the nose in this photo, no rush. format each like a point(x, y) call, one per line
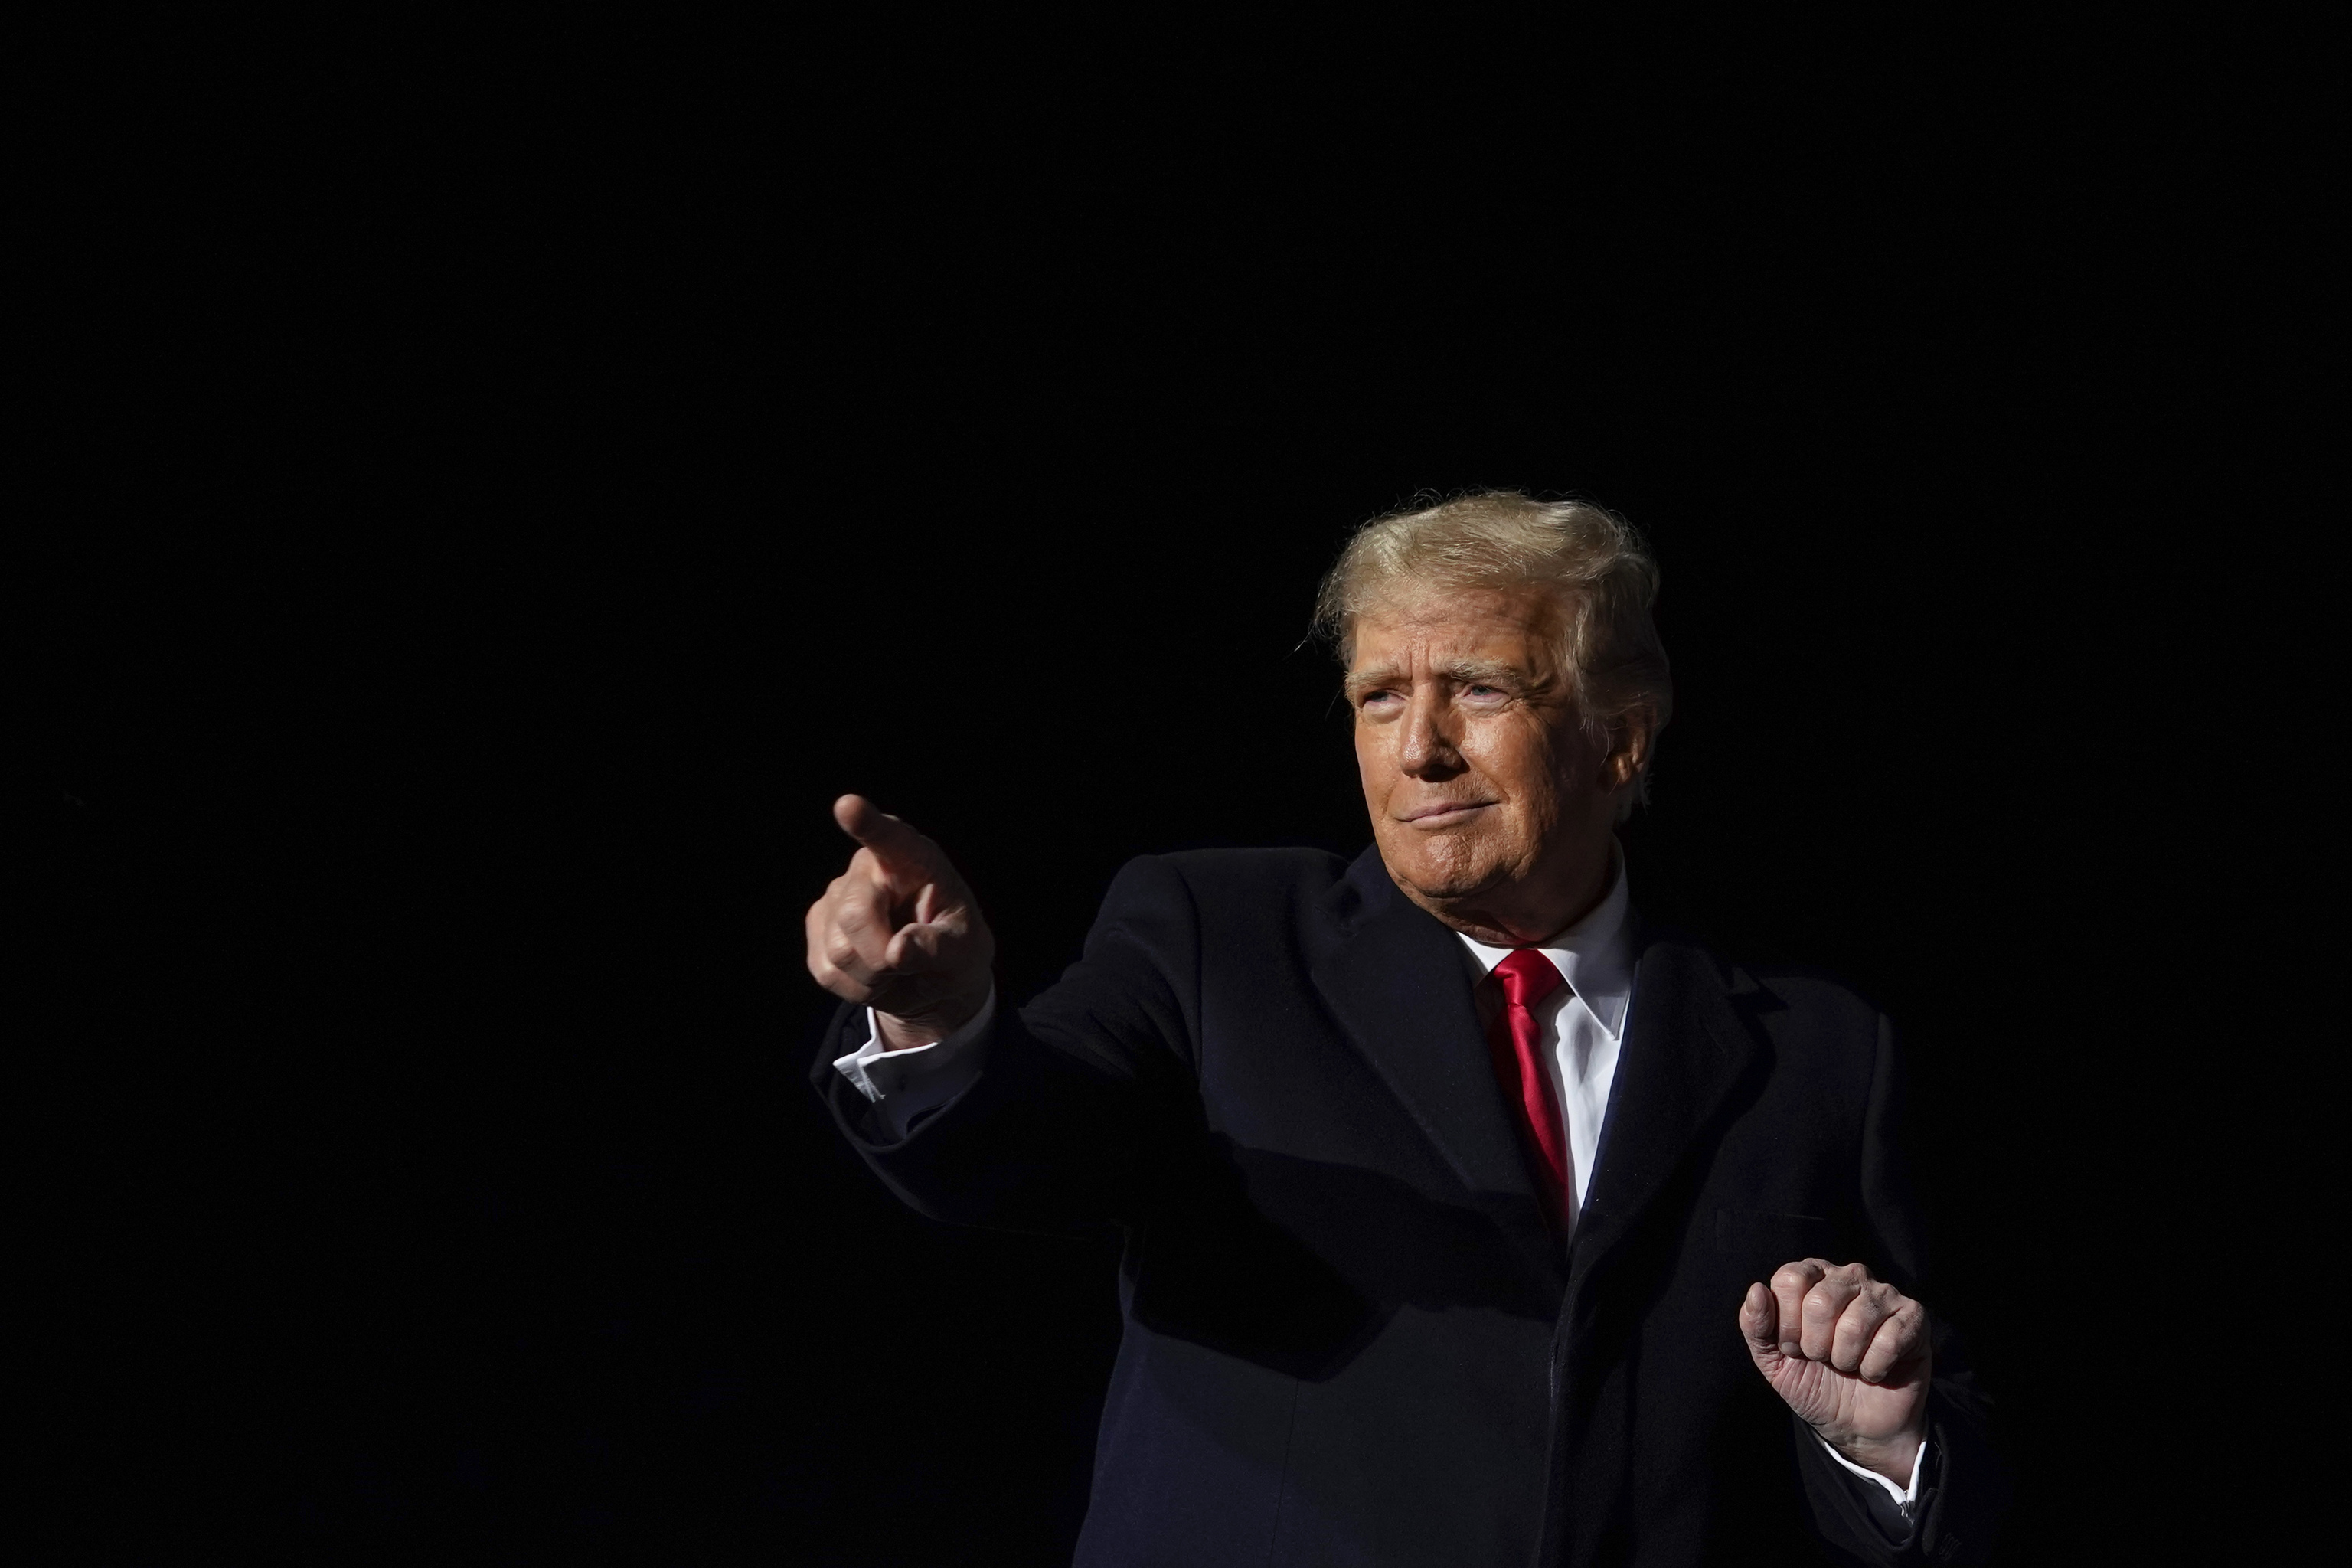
point(1426, 749)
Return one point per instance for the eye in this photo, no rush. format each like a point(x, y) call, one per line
point(1374, 698)
point(1479, 689)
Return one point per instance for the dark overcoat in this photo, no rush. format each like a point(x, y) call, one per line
point(1352, 1336)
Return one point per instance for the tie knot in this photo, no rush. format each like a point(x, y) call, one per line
point(1527, 977)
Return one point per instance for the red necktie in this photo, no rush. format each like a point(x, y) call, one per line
point(1516, 1042)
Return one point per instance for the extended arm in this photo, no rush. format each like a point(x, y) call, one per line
point(1046, 1119)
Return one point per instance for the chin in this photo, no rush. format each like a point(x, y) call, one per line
point(1444, 876)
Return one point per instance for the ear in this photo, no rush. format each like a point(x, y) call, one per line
point(1629, 747)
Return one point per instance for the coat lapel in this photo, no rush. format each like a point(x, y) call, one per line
point(1398, 984)
point(1687, 1053)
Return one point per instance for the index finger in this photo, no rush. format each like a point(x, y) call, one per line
point(899, 848)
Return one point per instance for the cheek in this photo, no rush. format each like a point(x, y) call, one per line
point(1523, 768)
point(1512, 762)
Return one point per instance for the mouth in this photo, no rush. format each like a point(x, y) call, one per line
point(1444, 814)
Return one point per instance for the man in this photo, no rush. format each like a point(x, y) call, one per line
point(1466, 1220)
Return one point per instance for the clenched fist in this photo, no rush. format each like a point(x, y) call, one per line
point(899, 932)
point(1850, 1354)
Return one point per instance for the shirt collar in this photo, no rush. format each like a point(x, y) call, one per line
point(1595, 956)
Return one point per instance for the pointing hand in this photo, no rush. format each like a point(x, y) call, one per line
point(899, 932)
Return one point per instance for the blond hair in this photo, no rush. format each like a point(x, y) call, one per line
point(1591, 558)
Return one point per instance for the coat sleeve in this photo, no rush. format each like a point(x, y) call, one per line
point(1083, 1090)
point(1966, 1490)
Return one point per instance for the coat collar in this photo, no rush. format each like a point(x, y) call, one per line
point(1398, 983)
point(1691, 1058)
point(1595, 956)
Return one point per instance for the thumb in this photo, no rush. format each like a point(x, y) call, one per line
point(1760, 1324)
point(904, 854)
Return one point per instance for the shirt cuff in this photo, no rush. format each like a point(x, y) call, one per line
point(1905, 1498)
point(902, 1085)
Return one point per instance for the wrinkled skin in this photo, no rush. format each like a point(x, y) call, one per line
point(1851, 1356)
point(1491, 799)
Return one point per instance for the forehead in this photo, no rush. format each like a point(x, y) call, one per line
point(1514, 624)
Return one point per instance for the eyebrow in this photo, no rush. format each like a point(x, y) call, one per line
point(1461, 672)
point(1483, 672)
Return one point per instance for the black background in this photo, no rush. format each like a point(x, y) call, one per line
point(494, 491)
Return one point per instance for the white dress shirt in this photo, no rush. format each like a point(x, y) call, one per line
point(1584, 1025)
point(903, 1085)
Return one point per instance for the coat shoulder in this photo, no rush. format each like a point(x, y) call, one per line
point(1814, 996)
point(1817, 1022)
point(1228, 897)
point(1218, 878)
point(1807, 1014)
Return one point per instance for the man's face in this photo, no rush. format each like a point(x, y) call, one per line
point(1491, 805)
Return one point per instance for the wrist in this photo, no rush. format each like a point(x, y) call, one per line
point(1895, 1457)
point(934, 1023)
